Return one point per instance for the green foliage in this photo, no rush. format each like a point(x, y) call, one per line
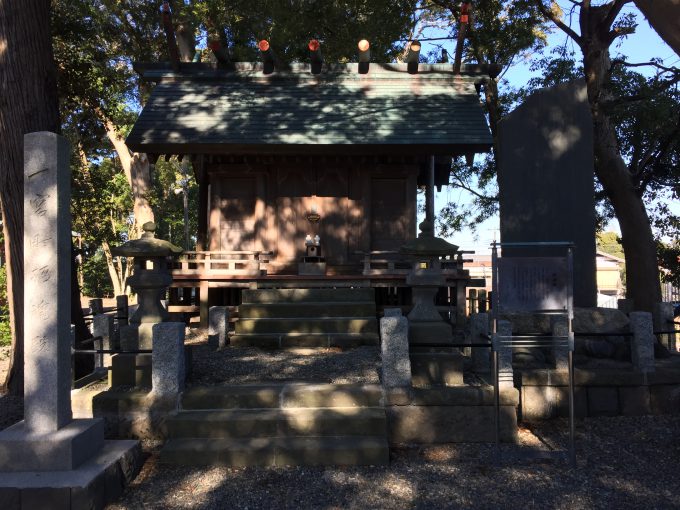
point(503, 32)
point(167, 201)
point(96, 281)
point(609, 242)
point(289, 25)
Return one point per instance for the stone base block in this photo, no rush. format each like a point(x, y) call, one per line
point(429, 332)
point(311, 268)
point(93, 485)
point(603, 401)
point(635, 401)
point(436, 369)
point(544, 402)
point(130, 370)
point(449, 424)
point(63, 450)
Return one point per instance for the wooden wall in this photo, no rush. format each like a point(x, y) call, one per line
point(265, 206)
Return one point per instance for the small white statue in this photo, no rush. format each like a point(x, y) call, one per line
point(317, 240)
point(308, 240)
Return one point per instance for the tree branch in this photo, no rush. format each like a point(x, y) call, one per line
point(653, 156)
point(550, 15)
point(614, 12)
point(462, 185)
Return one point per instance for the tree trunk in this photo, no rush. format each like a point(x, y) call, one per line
point(115, 271)
point(664, 16)
point(138, 173)
point(642, 272)
point(28, 103)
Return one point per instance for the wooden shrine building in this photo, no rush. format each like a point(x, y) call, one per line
point(282, 157)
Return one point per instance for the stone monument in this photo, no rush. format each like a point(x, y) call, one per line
point(48, 457)
point(545, 180)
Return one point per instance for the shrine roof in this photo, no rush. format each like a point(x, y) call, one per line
point(203, 109)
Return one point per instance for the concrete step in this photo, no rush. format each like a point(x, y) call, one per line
point(281, 395)
point(308, 325)
point(317, 310)
point(290, 422)
point(308, 295)
point(279, 451)
point(283, 341)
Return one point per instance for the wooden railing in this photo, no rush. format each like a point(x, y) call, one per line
point(394, 262)
point(247, 263)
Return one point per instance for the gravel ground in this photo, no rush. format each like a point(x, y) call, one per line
point(236, 365)
point(622, 462)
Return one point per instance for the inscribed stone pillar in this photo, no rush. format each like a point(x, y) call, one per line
point(47, 293)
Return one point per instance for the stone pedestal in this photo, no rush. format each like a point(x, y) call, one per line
point(62, 450)
point(425, 322)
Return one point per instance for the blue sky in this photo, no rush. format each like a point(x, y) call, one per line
point(639, 47)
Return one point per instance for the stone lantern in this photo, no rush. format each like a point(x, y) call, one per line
point(426, 277)
point(151, 277)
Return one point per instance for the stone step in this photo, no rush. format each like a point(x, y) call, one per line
point(317, 310)
point(278, 451)
point(308, 325)
point(281, 395)
point(361, 294)
point(290, 422)
point(283, 341)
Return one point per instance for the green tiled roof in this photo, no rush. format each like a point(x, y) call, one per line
point(432, 112)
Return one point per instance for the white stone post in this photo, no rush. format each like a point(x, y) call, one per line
point(102, 325)
point(663, 321)
point(505, 375)
point(560, 328)
point(479, 332)
point(642, 347)
point(218, 324)
point(396, 363)
point(167, 362)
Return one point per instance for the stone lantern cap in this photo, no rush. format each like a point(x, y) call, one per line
point(147, 246)
point(427, 245)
